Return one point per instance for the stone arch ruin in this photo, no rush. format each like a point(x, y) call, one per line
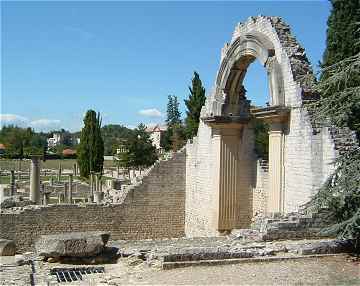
point(226, 184)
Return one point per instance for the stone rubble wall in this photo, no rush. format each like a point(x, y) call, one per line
point(153, 209)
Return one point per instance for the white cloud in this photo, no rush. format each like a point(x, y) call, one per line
point(45, 124)
point(21, 121)
point(7, 119)
point(151, 112)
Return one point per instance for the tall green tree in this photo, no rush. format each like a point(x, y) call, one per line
point(194, 104)
point(173, 115)
point(140, 152)
point(339, 104)
point(174, 136)
point(90, 151)
point(342, 42)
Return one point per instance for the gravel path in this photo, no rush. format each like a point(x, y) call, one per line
point(321, 271)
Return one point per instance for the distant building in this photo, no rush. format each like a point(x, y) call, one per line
point(54, 140)
point(2, 149)
point(156, 134)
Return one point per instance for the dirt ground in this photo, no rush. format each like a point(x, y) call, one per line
point(338, 270)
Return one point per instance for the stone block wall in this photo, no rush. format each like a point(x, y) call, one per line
point(308, 152)
point(259, 197)
point(153, 209)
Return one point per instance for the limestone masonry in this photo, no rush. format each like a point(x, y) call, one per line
point(154, 209)
point(226, 185)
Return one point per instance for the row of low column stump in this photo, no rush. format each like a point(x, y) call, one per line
point(37, 189)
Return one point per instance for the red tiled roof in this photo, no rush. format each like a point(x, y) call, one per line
point(67, 152)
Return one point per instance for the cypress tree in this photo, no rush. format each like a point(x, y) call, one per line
point(343, 31)
point(194, 104)
point(174, 137)
point(91, 148)
point(339, 104)
point(172, 111)
point(342, 42)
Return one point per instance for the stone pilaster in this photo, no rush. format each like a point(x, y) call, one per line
point(275, 202)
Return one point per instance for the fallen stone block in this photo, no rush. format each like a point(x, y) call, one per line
point(7, 247)
point(73, 244)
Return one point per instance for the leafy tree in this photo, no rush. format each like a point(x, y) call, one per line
point(91, 148)
point(339, 90)
point(343, 34)
point(141, 153)
point(194, 104)
point(177, 137)
point(261, 132)
point(113, 136)
point(22, 142)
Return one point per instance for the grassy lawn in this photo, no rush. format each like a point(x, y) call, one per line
point(8, 164)
point(6, 179)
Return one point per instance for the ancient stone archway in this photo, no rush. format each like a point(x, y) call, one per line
point(222, 170)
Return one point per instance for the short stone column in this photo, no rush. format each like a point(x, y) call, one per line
point(70, 188)
point(275, 202)
point(98, 197)
point(35, 179)
point(65, 192)
point(51, 181)
point(92, 185)
point(75, 170)
point(60, 198)
point(2, 194)
point(97, 182)
point(12, 183)
point(59, 173)
point(45, 195)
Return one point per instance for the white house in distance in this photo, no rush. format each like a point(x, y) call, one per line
point(54, 140)
point(155, 134)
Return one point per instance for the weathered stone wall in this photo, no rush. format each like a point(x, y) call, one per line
point(308, 153)
point(154, 209)
point(259, 197)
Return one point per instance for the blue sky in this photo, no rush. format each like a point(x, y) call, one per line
point(59, 59)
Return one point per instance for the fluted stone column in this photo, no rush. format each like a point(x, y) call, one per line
point(70, 188)
point(35, 179)
point(275, 202)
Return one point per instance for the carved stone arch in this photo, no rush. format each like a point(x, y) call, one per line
point(240, 54)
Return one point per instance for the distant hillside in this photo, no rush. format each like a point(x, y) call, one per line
point(113, 136)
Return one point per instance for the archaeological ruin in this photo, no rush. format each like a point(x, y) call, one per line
point(222, 169)
point(216, 184)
